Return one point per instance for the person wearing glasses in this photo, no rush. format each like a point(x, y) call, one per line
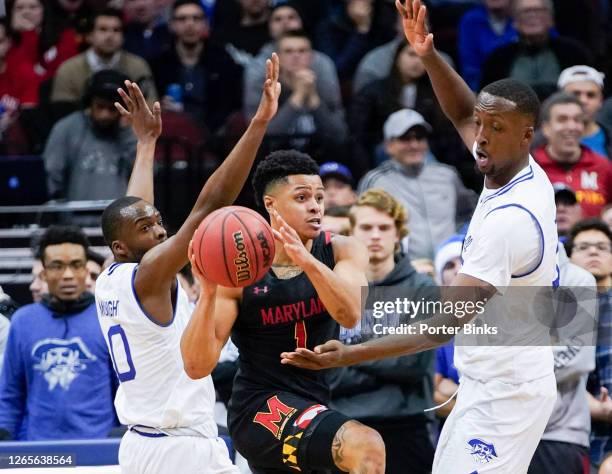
point(57, 380)
point(590, 247)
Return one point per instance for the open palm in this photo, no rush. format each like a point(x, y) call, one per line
point(268, 105)
point(144, 122)
point(414, 15)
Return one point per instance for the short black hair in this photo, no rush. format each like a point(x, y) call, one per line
point(112, 219)
point(106, 11)
point(583, 226)
point(558, 98)
point(179, 3)
point(61, 234)
point(521, 94)
point(275, 168)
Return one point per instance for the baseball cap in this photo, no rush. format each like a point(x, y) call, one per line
point(332, 169)
point(580, 73)
point(401, 121)
point(104, 84)
point(564, 193)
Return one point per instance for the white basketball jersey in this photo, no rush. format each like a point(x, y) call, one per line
point(155, 391)
point(512, 242)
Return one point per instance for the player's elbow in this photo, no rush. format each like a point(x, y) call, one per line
point(349, 317)
point(196, 371)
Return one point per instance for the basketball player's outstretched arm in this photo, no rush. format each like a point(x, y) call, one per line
point(210, 325)
point(159, 266)
point(340, 288)
point(147, 127)
point(455, 97)
point(334, 354)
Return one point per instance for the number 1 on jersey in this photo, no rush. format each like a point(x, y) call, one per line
point(300, 334)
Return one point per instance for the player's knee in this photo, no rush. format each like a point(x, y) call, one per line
point(369, 448)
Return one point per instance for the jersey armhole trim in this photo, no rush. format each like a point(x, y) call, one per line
point(144, 311)
point(539, 227)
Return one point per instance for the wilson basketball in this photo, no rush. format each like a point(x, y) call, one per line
point(233, 246)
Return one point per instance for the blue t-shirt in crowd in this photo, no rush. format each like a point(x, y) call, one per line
point(445, 365)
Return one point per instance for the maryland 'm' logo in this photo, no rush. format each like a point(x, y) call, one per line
point(276, 417)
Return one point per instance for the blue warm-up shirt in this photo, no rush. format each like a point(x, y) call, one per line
point(57, 381)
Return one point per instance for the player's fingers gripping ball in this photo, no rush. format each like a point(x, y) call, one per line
point(233, 246)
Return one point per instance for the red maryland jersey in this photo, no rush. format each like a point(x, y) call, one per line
point(590, 177)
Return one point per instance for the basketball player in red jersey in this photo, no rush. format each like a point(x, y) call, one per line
point(278, 418)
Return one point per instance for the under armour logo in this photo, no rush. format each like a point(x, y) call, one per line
point(258, 290)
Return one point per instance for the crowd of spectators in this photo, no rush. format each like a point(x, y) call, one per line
point(356, 96)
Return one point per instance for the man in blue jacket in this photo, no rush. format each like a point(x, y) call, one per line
point(389, 395)
point(57, 381)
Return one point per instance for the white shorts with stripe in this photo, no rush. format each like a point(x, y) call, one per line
point(495, 427)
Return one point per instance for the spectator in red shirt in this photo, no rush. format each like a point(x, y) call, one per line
point(565, 160)
point(38, 38)
point(18, 83)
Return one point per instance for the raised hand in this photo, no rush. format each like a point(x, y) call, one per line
point(414, 15)
point(328, 355)
point(146, 124)
point(290, 239)
point(268, 105)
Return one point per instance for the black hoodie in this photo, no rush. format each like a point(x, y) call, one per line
point(395, 388)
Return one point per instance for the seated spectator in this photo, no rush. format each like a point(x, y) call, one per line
point(40, 37)
point(539, 56)
point(89, 154)
point(58, 380)
point(304, 109)
point(482, 30)
point(377, 63)
point(447, 262)
point(389, 395)
point(105, 52)
point(283, 18)
point(587, 85)
point(590, 246)
point(569, 211)
point(406, 87)
point(565, 160)
point(38, 286)
point(338, 182)
point(208, 81)
point(348, 36)
point(336, 220)
point(18, 83)
point(94, 268)
point(249, 33)
point(434, 195)
point(565, 443)
point(146, 33)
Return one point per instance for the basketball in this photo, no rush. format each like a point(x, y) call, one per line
point(233, 246)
